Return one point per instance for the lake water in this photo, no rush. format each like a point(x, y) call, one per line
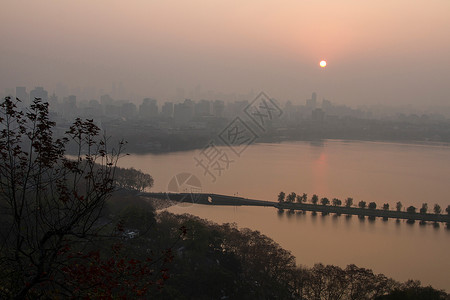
point(369, 171)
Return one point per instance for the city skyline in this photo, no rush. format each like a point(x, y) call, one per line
point(187, 109)
point(377, 52)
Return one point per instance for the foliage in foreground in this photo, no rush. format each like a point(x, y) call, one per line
point(54, 241)
point(214, 261)
point(132, 179)
point(58, 241)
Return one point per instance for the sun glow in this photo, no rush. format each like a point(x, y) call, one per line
point(323, 63)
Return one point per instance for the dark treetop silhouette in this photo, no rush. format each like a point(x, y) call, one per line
point(51, 209)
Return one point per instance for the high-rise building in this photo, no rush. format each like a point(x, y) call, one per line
point(167, 110)
point(183, 112)
point(22, 95)
point(94, 109)
point(53, 101)
point(218, 108)
point(70, 109)
point(318, 115)
point(128, 110)
point(148, 108)
point(237, 107)
point(326, 105)
point(312, 103)
point(203, 108)
point(106, 100)
point(39, 92)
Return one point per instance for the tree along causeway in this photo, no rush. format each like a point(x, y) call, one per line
point(216, 199)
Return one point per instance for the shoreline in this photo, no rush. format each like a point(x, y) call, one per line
point(225, 200)
point(317, 142)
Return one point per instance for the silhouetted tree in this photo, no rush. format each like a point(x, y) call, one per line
point(332, 282)
point(424, 208)
point(314, 199)
point(336, 202)
point(386, 206)
point(411, 209)
point(281, 197)
point(49, 203)
point(217, 260)
point(324, 201)
point(132, 179)
point(349, 202)
point(362, 204)
point(411, 290)
point(437, 209)
point(372, 205)
point(399, 206)
point(291, 197)
point(304, 197)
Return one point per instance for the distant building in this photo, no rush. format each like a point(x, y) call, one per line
point(167, 110)
point(203, 108)
point(106, 100)
point(39, 92)
point(112, 110)
point(94, 109)
point(53, 102)
point(218, 108)
point(318, 115)
point(236, 108)
point(327, 106)
point(312, 103)
point(22, 95)
point(128, 110)
point(148, 109)
point(183, 112)
point(290, 111)
point(70, 109)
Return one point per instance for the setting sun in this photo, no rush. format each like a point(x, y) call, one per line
point(323, 63)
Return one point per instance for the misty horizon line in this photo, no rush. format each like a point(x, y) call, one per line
point(233, 97)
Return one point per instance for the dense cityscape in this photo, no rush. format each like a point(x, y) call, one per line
point(206, 149)
point(188, 124)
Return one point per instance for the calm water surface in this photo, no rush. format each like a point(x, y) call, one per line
point(369, 171)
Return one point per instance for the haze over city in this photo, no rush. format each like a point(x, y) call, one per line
point(378, 52)
point(212, 149)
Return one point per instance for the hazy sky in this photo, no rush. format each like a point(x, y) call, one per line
point(379, 51)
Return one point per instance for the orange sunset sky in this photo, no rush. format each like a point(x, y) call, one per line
point(377, 51)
